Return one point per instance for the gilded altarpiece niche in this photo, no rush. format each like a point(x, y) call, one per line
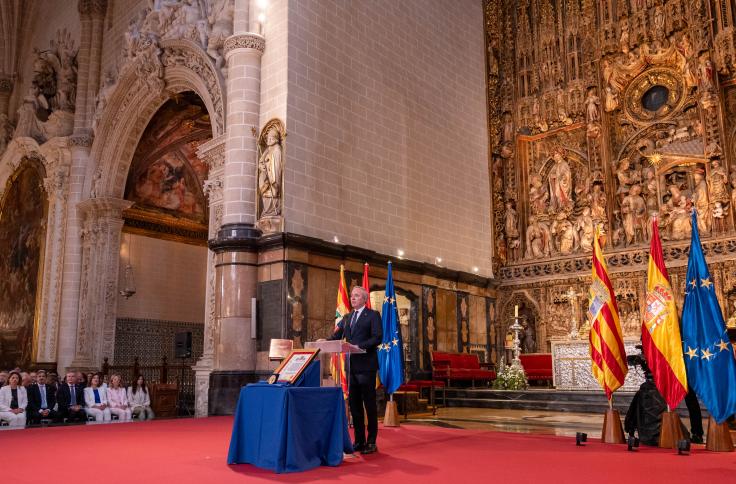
point(23, 212)
point(609, 114)
point(429, 323)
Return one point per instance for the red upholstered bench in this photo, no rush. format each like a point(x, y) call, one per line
point(459, 367)
point(537, 366)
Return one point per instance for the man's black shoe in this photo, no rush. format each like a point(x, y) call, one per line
point(369, 449)
point(358, 447)
point(696, 439)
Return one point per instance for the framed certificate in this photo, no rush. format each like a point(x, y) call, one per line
point(294, 364)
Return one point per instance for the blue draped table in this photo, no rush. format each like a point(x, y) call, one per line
point(289, 428)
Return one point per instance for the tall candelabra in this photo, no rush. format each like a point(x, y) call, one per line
point(516, 349)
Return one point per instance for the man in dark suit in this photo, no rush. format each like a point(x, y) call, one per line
point(362, 327)
point(41, 400)
point(70, 398)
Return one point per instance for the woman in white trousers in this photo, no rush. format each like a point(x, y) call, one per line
point(95, 397)
point(117, 397)
point(13, 401)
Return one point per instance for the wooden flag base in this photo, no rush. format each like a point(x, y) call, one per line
point(671, 430)
point(391, 418)
point(719, 437)
point(613, 431)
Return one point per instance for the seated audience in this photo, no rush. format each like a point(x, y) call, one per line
point(3, 378)
point(41, 400)
point(13, 401)
point(52, 380)
point(34, 377)
point(25, 379)
point(82, 379)
point(70, 398)
point(139, 400)
point(95, 397)
point(118, 399)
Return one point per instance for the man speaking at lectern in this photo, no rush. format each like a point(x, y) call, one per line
point(362, 327)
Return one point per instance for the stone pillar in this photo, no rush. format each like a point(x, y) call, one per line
point(234, 246)
point(56, 184)
point(92, 15)
point(103, 223)
point(212, 153)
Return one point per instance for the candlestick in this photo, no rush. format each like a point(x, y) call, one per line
point(516, 311)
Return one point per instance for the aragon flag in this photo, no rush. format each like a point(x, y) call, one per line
point(660, 330)
point(337, 361)
point(606, 341)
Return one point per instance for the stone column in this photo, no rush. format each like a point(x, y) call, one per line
point(212, 153)
point(56, 184)
point(234, 246)
point(103, 223)
point(92, 14)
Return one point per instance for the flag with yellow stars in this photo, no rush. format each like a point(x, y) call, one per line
point(390, 351)
point(660, 331)
point(709, 357)
point(606, 339)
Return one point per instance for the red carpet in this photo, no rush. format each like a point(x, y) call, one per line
point(193, 451)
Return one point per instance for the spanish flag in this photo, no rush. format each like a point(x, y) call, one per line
point(606, 341)
point(660, 330)
point(337, 362)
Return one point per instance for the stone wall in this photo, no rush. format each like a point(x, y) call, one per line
point(387, 135)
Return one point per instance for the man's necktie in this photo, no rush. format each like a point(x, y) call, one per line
point(74, 396)
point(42, 391)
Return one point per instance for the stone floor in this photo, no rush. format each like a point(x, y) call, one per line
point(523, 421)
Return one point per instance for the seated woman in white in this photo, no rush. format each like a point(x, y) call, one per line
point(95, 399)
point(118, 399)
point(13, 401)
point(139, 400)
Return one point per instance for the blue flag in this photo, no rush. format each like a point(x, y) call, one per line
point(709, 357)
point(390, 358)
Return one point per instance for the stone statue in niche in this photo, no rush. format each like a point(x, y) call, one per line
point(706, 74)
point(634, 211)
point(701, 202)
point(562, 115)
point(732, 179)
point(626, 178)
point(593, 107)
point(511, 227)
point(717, 183)
point(650, 190)
point(678, 220)
point(528, 343)
point(560, 183)
point(538, 196)
point(564, 234)
point(537, 239)
point(270, 173)
point(598, 203)
point(585, 228)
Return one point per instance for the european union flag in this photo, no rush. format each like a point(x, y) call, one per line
point(390, 358)
point(709, 357)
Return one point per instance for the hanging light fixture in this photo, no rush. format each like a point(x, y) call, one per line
point(128, 281)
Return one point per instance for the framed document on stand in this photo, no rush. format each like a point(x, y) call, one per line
point(294, 364)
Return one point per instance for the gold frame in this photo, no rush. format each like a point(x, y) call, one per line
point(151, 221)
point(294, 375)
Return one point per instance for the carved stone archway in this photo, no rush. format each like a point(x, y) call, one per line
point(55, 156)
point(523, 299)
point(132, 105)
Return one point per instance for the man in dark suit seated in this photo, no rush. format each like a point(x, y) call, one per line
point(70, 398)
point(41, 400)
point(362, 327)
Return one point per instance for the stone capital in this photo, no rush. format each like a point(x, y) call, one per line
point(244, 41)
point(82, 140)
point(104, 207)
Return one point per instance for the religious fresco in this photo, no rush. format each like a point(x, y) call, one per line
point(22, 234)
point(166, 175)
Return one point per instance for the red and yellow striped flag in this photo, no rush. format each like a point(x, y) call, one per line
point(337, 361)
point(606, 340)
point(660, 330)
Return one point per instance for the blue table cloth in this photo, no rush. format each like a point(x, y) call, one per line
point(289, 428)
